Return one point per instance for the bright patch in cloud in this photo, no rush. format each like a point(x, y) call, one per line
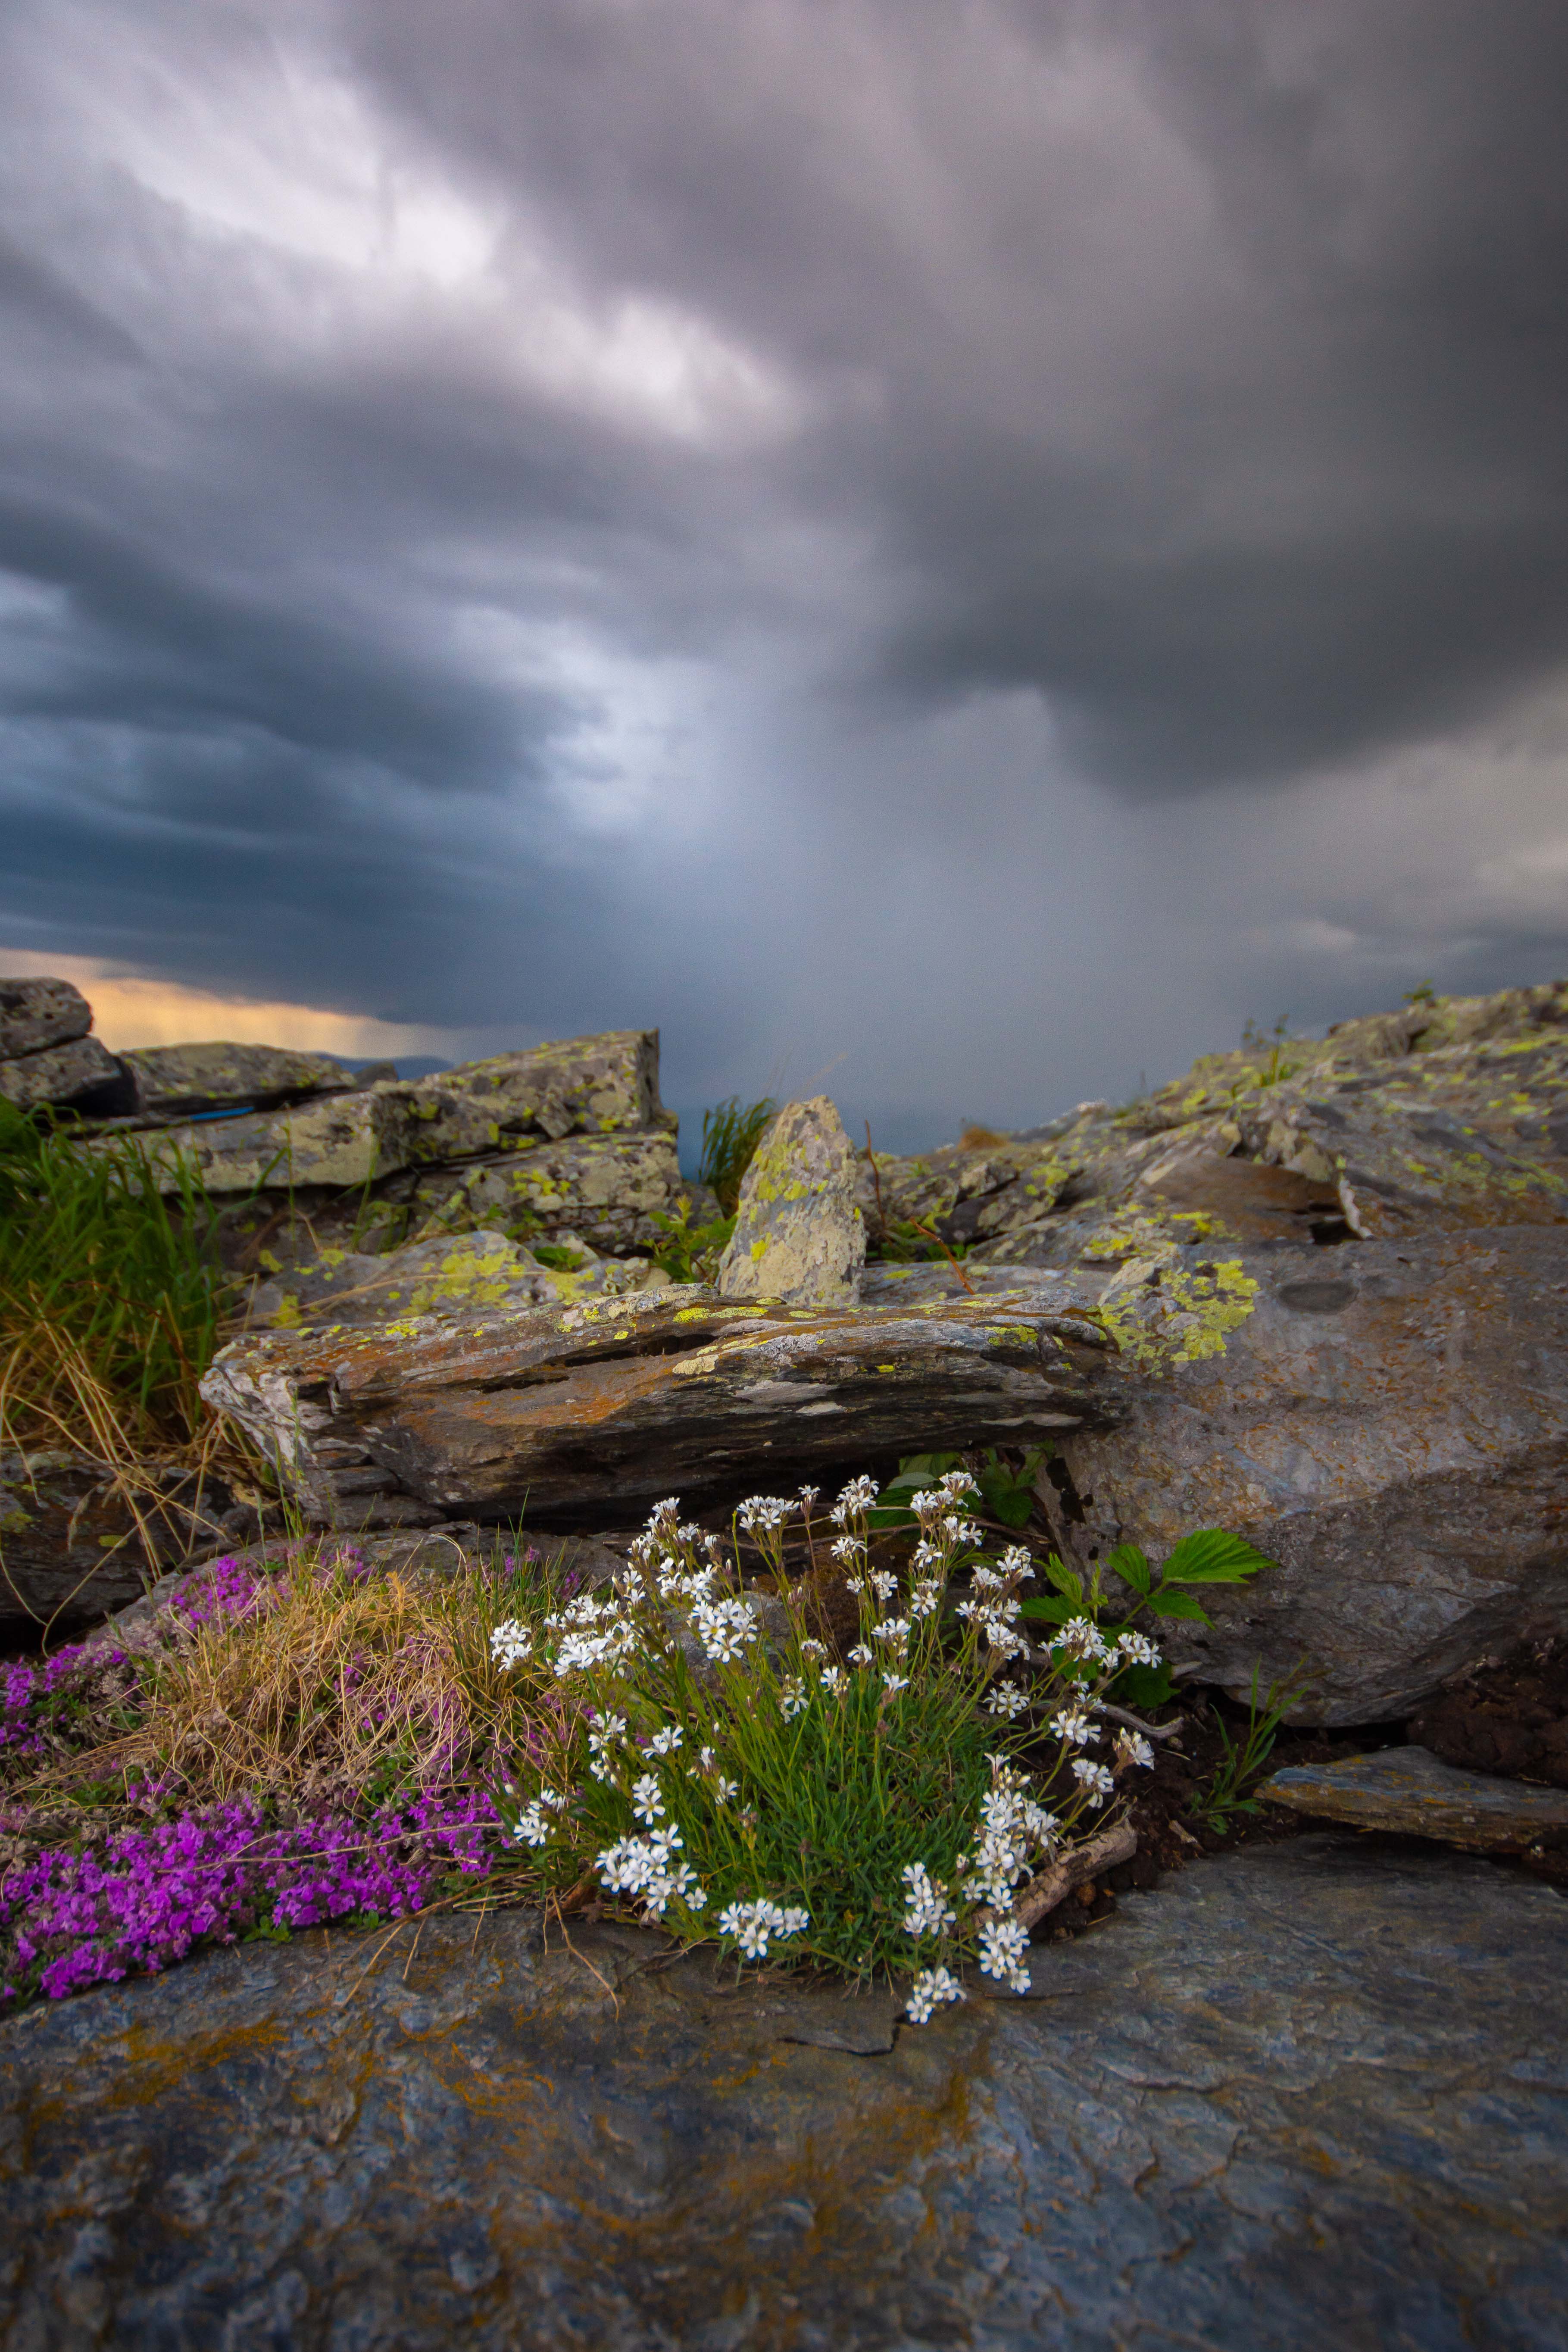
point(129, 1010)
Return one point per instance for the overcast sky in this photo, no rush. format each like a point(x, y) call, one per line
point(945, 550)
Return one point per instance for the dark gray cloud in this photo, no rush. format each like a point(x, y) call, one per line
point(966, 547)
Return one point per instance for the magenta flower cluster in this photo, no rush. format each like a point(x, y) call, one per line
point(146, 1896)
point(27, 1693)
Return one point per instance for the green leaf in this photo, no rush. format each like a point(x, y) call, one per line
point(1213, 1556)
point(1144, 1687)
point(1178, 1604)
point(919, 1469)
point(1052, 1612)
point(1131, 1566)
point(1063, 1579)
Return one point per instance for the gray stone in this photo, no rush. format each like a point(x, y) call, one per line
point(81, 1075)
point(1409, 1791)
point(220, 1077)
point(38, 1013)
point(617, 1402)
point(609, 1188)
point(457, 1275)
point(799, 1235)
point(585, 1085)
point(1385, 1421)
point(345, 1141)
point(1307, 2095)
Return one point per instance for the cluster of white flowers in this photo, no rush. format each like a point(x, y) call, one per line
point(1082, 1640)
point(533, 1824)
point(510, 1643)
point(591, 1634)
point(858, 1496)
point(764, 1514)
point(849, 1550)
point(793, 1699)
point(1074, 1726)
point(929, 1991)
point(725, 1628)
point(606, 1734)
point(893, 1630)
point(1008, 1698)
point(1136, 1650)
point(929, 1910)
point(647, 1798)
point(1132, 1748)
point(1095, 1779)
point(754, 1925)
point(645, 1866)
point(1003, 1943)
point(1012, 1827)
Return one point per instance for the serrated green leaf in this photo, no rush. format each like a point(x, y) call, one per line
point(1131, 1566)
point(1178, 1604)
point(1213, 1556)
point(1064, 1579)
point(1052, 1612)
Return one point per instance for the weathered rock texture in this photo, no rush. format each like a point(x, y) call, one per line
point(1408, 1791)
point(561, 1139)
point(79, 1075)
point(171, 1079)
point(1385, 1422)
point(798, 1234)
point(615, 1403)
point(38, 1013)
point(1445, 1116)
point(455, 1276)
point(1310, 2095)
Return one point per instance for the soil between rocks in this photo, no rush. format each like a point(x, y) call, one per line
point(1507, 1716)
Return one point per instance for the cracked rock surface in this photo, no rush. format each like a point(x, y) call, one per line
point(1313, 2094)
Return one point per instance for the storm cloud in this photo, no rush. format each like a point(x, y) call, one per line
point(949, 551)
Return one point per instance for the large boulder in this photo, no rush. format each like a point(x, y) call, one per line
point(609, 1188)
point(176, 1079)
point(38, 1013)
point(798, 1234)
point(602, 1408)
point(80, 1074)
point(457, 1275)
point(1385, 1421)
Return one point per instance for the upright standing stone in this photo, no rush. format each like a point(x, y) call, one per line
point(799, 1236)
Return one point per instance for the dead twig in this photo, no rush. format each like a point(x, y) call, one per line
point(1050, 1886)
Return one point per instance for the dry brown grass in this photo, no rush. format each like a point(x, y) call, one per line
point(333, 1682)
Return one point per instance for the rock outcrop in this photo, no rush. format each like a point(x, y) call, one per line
point(1308, 2095)
point(799, 1236)
point(47, 1060)
point(1385, 1422)
point(600, 1409)
point(1441, 1117)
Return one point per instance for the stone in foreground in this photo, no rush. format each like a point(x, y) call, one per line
point(798, 1234)
point(608, 1405)
point(1411, 1791)
point(1386, 1422)
point(1306, 2097)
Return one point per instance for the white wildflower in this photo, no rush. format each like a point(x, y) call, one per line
point(814, 1649)
point(932, 1988)
point(1136, 1650)
point(892, 1629)
point(847, 1550)
point(834, 1679)
point(1081, 1639)
point(1003, 1943)
point(767, 1512)
point(1096, 1782)
point(510, 1643)
point(1073, 1725)
point(1018, 1560)
point(860, 1655)
point(929, 1911)
point(1008, 1698)
point(793, 1700)
point(883, 1584)
point(1132, 1748)
point(647, 1804)
point(894, 1683)
point(664, 1742)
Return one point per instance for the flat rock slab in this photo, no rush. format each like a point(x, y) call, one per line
point(1310, 2095)
point(1411, 1791)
